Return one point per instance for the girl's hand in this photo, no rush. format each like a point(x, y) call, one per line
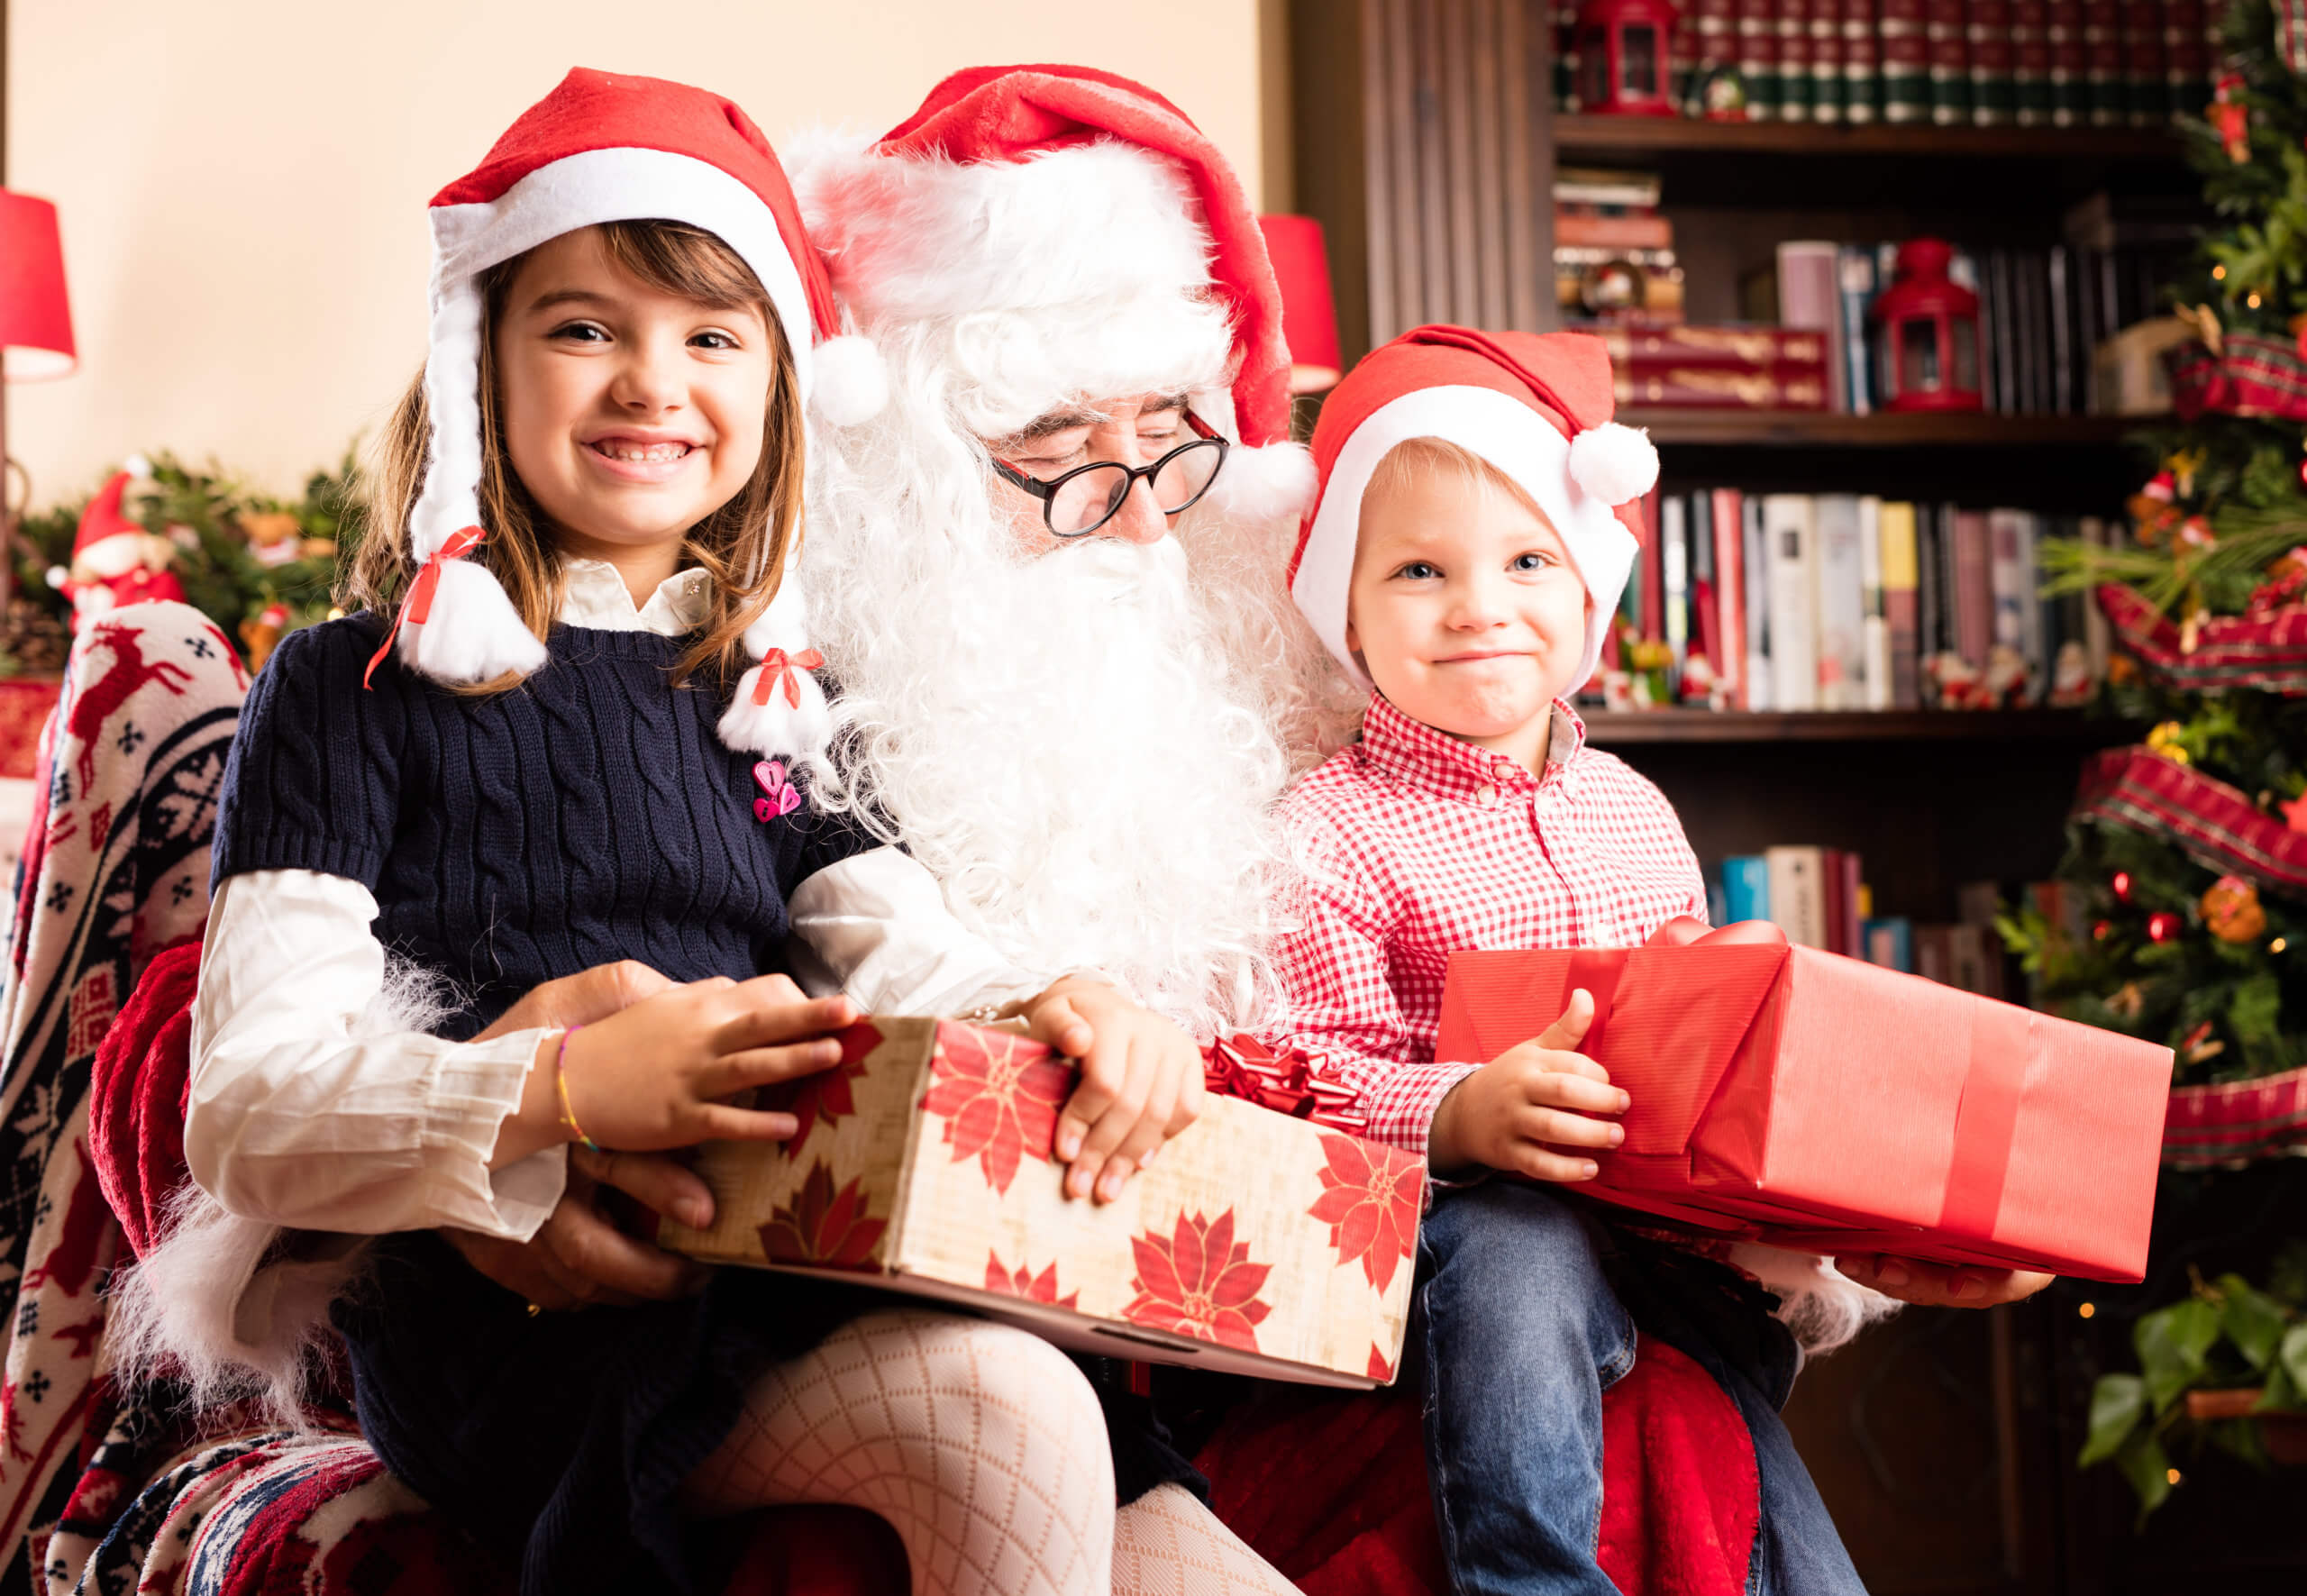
point(581, 1257)
point(654, 1075)
point(1940, 1285)
point(1141, 1082)
point(1513, 1111)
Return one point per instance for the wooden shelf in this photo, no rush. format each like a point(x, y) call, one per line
point(1804, 429)
point(1985, 725)
point(1585, 136)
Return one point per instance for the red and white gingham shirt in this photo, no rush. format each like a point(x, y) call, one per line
point(1417, 843)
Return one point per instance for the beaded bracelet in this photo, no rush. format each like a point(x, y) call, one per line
point(560, 1087)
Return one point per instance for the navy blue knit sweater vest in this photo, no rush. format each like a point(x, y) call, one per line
point(590, 815)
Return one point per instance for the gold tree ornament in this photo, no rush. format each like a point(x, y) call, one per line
point(2165, 740)
point(2233, 911)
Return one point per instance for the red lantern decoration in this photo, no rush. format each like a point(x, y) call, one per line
point(1622, 56)
point(1928, 346)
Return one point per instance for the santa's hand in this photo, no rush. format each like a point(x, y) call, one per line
point(1141, 1082)
point(1940, 1285)
point(1517, 1109)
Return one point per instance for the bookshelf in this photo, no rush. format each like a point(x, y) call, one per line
point(1803, 429)
point(2063, 726)
point(1423, 137)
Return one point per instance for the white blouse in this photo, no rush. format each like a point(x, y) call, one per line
point(312, 1108)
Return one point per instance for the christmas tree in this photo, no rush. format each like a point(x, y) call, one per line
point(2181, 912)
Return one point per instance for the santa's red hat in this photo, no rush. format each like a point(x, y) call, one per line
point(1535, 407)
point(602, 146)
point(1024, 188)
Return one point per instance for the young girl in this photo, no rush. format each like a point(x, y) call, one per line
point(531, 770)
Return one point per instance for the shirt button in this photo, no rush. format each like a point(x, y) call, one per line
point(1486, 795)
point(1506, 769)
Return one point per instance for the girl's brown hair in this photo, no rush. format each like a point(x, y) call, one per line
point(743, 545)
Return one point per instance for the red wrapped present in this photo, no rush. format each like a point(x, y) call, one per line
point(1799, 1097)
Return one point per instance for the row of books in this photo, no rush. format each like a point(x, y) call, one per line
point(2049, 63)
point(1816, 896)
point(2043, 313)
point(1844, 601)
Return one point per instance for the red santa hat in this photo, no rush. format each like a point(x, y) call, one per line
point(1021, 187)
point(1535, 407)
point(605, 148)
point(106, 517)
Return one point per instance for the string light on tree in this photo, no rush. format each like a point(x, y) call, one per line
point(2162, 926)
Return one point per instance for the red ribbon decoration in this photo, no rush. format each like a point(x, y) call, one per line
point(778, 666)
point(418, 605)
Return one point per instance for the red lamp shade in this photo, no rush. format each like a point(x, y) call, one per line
point(1302, 265)
point(35, 317)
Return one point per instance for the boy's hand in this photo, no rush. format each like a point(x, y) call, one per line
point(1513, 1111)
point(1141, 1082)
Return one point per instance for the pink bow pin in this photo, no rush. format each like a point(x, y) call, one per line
point(777, 666)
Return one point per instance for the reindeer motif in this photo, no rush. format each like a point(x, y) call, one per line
point(96, 703)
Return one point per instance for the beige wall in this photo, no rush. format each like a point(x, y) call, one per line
point(242, 182)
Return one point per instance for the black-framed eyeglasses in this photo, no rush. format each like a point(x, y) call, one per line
point(1085, 497)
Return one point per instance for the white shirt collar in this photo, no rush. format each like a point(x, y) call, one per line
point(595, 595)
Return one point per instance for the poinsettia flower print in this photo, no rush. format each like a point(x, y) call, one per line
point(825, 1095)
point(1369, 1200)
point(1380, 1369)
point(1000, 1095)
point(824, 1226)
point(1023, 1281)
point(1199, 1282)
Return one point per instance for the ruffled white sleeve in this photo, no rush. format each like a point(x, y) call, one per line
point(877, 929)
point(315, 1107)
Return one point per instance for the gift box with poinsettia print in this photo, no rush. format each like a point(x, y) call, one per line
point(1256, 1243)
point(1798, 1098)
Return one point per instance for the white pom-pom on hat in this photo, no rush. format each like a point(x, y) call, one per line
point(472, 634)
point(1266, 484)
point(137, 466)
point(851, 382)
point(1615, 464)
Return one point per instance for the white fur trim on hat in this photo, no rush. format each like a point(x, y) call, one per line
point(1511, 437)
point(914, 239)
point(1617, 464)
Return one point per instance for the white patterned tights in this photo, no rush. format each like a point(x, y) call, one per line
point(985, 1448)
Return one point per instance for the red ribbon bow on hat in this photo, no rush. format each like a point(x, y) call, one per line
point(418, 605)
point(778, 666)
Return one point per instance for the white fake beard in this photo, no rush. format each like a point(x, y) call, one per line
point(1069, 746)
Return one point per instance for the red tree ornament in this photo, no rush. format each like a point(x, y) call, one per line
point(2100, 930)
point(2121, 885)
point(1930, 337)
point(2231, 117)
point(2162, 926)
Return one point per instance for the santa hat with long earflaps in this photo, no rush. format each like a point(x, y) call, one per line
point(1535, 406)
point(604, 147)
point(1022, 188)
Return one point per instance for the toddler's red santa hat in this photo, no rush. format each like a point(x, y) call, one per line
point(1022, 188)
point(1535, 407)
point(605, 148)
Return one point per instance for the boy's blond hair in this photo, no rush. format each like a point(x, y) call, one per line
point(1414, 458)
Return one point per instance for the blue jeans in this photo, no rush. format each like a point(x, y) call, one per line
point(1526, 1307)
